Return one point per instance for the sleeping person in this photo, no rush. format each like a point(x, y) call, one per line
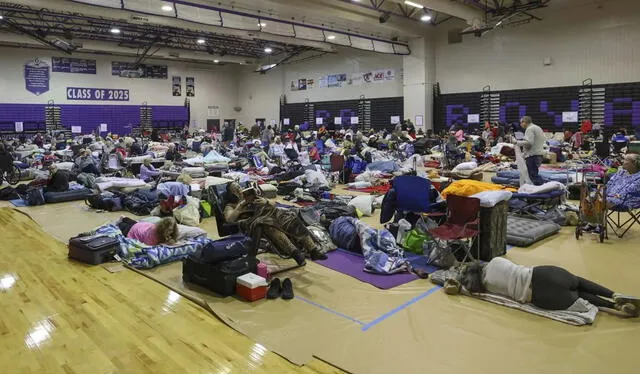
point(165, 231)
point(546, 287)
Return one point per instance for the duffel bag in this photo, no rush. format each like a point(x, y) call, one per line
point(219, 278)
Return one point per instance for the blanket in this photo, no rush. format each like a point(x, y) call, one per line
point(544, 188)
point(104, 183)
point(579, 314)
point(468, 187)
point(142, 256)
point(381, 254)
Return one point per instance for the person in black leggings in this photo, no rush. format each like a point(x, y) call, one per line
point(547, 287)
point(555, 288)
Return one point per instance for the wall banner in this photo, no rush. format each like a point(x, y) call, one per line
point(176, 86)
point(191, 86)
point(73, 65)
point(97, 94)
point(36, 77)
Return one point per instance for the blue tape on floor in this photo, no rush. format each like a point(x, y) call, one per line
point(330, 310)
point(400, 308)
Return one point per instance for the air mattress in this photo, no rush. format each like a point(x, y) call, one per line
point(523, 232)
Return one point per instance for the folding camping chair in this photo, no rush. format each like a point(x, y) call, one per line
point(618, 224)
point(412, 194)
point(462, 225)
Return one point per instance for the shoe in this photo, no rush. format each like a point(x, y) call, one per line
point(451, 287)
point(287, 289)
point(275, 289)
point(299, 257)
point(628, 309)
point(317, 255)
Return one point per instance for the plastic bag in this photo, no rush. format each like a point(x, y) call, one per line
point(522, 167)
point(414, 241)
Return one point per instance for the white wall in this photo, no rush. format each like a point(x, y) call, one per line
point(582, 41)
point(216, 86)
point(259, 95)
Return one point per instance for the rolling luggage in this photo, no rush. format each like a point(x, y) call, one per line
point(94, 249)
point(219, 278)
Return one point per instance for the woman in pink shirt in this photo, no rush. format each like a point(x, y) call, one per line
point(165, 231)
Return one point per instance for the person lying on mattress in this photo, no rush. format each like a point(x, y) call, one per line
point(165, 231)
point(546, 287)
point(623, 189)
point(257, 217)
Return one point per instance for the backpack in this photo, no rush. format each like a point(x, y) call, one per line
point(33, 197)
point(9, 193)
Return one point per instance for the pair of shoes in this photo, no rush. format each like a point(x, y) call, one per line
point(299, 257)
point(276, 289)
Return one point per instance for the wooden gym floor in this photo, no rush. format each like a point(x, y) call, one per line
point(59, 316)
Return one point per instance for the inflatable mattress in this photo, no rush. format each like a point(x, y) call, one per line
point(523, 232)
point(512, 177)
point(70, 195)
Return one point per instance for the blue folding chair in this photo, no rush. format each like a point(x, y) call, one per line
point(413, 194)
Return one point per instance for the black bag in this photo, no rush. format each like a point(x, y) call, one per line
point(287, 188)
point(9, 193)
point(102, 202)
point(140, 203)
point(34, 196)
point(493, 231)
point(94, 249)
point(219, 278)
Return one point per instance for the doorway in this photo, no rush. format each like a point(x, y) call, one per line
point(213, 126)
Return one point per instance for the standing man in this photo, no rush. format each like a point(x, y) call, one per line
point(533, 144)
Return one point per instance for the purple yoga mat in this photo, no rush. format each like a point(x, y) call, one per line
point(352, 264)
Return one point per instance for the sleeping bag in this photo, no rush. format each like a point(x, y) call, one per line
point(344, 233)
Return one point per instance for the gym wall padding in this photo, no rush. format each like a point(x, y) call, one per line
point(616, 105)
point(372, 113)
point(119, 118)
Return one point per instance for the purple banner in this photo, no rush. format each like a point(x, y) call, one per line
point(73, 65)
point(36, 77)
point(100, 94)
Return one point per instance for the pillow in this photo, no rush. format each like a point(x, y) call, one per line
point(184, 232)
point(465, 166)
point(489, 199)
point(363, 203)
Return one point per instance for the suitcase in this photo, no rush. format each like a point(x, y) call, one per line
point(219, 278)
point(493, 231)
point(94, 249)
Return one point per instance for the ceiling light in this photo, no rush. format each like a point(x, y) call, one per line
point(200, 41)
point(1, 17)
point(262, 24)
point(268, 50)
point(167, 8)
point(115, 30)
point(331, 37)
point(216, 61)
point(414, 4)
point(425, 18)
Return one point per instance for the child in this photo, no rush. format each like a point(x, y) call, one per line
point(165, 231)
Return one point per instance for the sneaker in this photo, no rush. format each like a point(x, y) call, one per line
point(299, 257)
point(287, 289)
point(451, 287)
point(628, 309)
point(275, 289)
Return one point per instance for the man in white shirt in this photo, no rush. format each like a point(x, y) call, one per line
point(533, 145)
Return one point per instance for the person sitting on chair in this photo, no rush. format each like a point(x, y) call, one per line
point(258, 217)
point(85, 163)
point(623, 189)
point(148, 171)
point(547, 287)
point(165, 231)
